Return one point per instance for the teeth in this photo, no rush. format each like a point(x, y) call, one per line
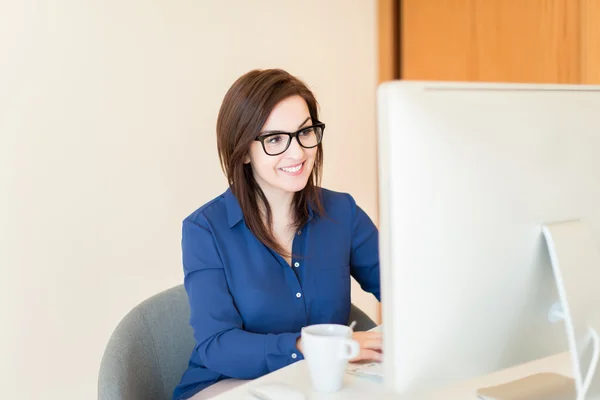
point(294, 169)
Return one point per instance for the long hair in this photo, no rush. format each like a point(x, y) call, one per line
point(245, 109)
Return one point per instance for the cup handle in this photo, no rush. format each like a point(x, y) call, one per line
point(349, 349)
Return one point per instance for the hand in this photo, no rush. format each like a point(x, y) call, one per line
point(299, 345)
point(370, 346)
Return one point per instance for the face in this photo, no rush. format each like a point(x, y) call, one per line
point(287, 172)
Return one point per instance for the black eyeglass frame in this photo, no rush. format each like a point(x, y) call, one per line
point(291, 135)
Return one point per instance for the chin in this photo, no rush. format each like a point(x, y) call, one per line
point(294, 186)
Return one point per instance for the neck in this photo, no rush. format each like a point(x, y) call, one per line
point(281, 206)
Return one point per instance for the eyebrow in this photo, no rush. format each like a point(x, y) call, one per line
point(303, 122)
point(275, 131)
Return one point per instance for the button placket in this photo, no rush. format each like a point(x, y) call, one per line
point(298, 248)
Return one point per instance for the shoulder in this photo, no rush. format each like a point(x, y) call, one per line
point(337, 203)
point(199, 235)
point(213, 212)
point(341, 206)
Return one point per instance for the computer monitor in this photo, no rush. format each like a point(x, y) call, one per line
point(469, 174)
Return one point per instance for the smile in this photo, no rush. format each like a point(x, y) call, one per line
point(293, 168)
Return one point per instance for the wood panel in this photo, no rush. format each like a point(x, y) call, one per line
point(435, 39)
point(590, 41)
point(526, 41)
point(491, 40)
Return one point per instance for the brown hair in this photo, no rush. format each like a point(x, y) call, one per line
point(244, 111)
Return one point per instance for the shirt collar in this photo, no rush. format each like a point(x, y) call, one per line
point(310, 212)
point(234, 211)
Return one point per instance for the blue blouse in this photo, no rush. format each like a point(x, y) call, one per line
point(248, 305)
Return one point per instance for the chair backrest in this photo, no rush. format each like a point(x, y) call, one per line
point(363, 321)
point(149, 350)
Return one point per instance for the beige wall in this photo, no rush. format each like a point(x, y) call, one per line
point(107, 119)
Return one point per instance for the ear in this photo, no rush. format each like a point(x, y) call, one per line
point(247, 159)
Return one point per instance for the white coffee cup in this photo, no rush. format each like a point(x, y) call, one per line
point(327, 349)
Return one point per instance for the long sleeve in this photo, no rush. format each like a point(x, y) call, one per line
point(223, 345)
point(364, 257)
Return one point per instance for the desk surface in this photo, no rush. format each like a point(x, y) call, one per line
point(358, 387)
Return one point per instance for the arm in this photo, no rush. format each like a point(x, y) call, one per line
point(223, 345)
point(364, 257)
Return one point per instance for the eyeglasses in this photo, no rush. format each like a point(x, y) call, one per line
point(275, 143)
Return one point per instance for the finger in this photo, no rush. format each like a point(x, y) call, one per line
point(372, 355)
point(363, 339)
point(374, 344)
point(369, 335)
point(368, 355)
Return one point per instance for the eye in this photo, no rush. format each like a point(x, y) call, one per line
point(274, 139)
point(307, 132)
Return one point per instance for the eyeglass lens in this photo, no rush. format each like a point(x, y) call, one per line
point(309, 137)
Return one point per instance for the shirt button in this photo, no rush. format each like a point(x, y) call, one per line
point(299, 233)
point(294, 356)
point(298, 295)
point(296, 264)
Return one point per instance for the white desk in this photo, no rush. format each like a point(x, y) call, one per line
point(355, 387)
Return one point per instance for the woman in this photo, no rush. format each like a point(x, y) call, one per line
point(275, 252)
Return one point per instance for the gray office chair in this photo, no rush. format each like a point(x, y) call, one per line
point(150, 348)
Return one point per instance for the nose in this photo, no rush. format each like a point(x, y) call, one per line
point(295, 150)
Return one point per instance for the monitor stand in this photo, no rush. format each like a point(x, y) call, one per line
point(575, 258)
